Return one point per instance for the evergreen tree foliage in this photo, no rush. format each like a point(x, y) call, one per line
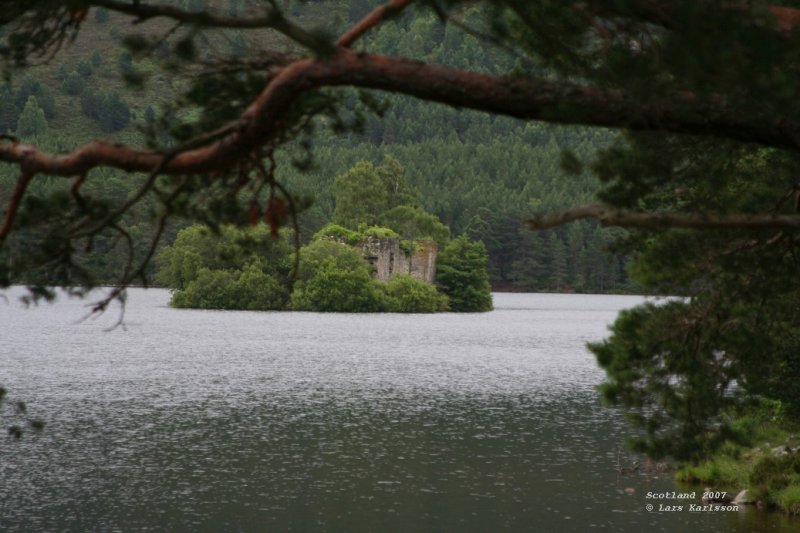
point(110, 111)
point(85, 68)
point(74, 84)
point(32, 120)
point(366, 191)
point(44, 98)
point(461, 274)
point(361, 196)
point(114, 113)
point(96, 59)
point(686, 368)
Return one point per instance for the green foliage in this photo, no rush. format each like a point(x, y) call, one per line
point(250, 289)
point(44, 98)
point(343, 256)
point(760, 460)
point(722, 472)
point(378, 232)
point(788, 499)
point(461, 275)
point(339, 233)
point(110, 111)
point(235, 269)
point(332, 288)
point(771, 473)
point(360, 196)
point(675, 373)
point(407, 294)
point(366, 191)
point(775, 480)
point(678, 366)
point(114, 113)
point(413, 223)
point(62, 72)
point(245, 269)
point(96, 59)
point(85, 68)
point(198, 247)
point(32, 120)
point(73, 84)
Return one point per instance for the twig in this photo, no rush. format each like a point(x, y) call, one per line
point(375, 17)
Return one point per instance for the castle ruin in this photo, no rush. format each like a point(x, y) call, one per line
point(388, 259)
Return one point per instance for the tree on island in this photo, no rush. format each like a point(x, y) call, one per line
point(705, 180)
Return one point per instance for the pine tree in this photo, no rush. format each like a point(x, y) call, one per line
point(74, 84)
point(32, 120)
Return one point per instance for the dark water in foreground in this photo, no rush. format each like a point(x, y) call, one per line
point(240, 421)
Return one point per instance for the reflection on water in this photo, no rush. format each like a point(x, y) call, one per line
point(219, 421)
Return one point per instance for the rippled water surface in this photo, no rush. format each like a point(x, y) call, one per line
point(242, 421)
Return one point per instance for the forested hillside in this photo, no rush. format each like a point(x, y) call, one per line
point(480, 174)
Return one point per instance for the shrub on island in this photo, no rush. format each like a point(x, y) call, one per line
point(337, 289)
point(407, 294)
point(250, 289)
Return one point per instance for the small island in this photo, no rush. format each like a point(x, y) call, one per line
point(381, 253)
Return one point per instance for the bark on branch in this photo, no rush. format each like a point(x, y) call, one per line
point(629, 219)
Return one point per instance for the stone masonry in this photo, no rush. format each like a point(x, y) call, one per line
point(387, 259)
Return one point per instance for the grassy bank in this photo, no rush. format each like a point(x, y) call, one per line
point(763, 457)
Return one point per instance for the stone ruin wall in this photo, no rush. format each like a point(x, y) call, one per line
point(422, 264)
point(387, 259)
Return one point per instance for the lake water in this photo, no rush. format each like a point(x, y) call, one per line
point(241, 421)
